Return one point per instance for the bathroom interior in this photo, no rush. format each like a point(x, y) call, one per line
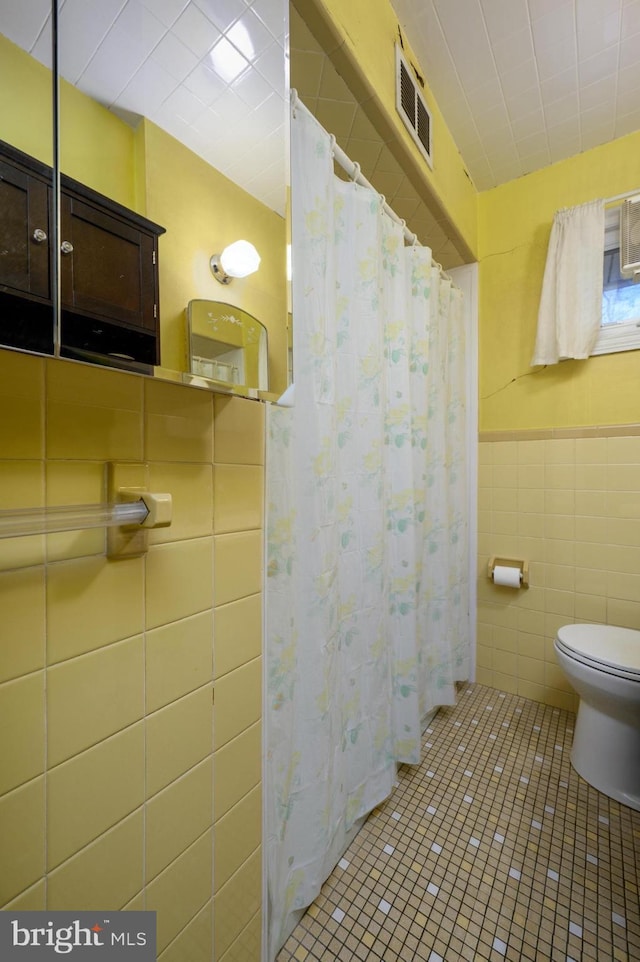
point(135, 695)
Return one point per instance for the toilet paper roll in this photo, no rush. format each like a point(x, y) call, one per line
point(507, 575)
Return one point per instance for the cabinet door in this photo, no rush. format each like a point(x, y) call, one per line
point(24, 252)
point(107, 267)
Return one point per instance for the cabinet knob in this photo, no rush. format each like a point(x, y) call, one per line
point(66, 247)
point(39, 235)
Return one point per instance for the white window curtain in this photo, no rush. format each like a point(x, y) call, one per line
point(570, 310)
point(367, 592)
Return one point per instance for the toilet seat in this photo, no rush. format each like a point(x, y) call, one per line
point(603, 647)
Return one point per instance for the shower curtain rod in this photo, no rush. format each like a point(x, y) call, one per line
point(352, 168)
point(620, 197)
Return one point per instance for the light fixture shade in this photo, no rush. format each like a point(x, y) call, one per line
point(240, 259)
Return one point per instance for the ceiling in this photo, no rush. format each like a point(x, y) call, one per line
point(524, 83)
point(210, 72)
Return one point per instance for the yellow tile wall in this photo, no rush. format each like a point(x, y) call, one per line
point(570, 505)
point(123, 780)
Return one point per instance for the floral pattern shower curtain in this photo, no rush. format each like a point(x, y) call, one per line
point(367, 601)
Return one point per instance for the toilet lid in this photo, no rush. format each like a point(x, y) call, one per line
point(606, 645)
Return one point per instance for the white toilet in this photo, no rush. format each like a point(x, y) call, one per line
point(603, 665)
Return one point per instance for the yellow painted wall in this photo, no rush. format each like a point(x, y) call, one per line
point(150, 172)
point(513, 227)
point(121, 784)
point(369, 30)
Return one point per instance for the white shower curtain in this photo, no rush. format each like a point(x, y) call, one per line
point(367, 594)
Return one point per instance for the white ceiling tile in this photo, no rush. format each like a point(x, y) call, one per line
point(504, 17)
point(222, 12)
point(595, 136)
point(523, 103)
point(628, 123)
point(597, 33)
point(500, 144)
point(23, 23)
point(563, 149)
point(459, 115)
point(514, 49)
point(229, 108)
point(184, 104)
point(269, 117)
point(540, 8)
point(250, 36)
point(82, 26)
point(196, 31)
point(460, 30)
point(601, 92)
point(480, 171)
point(167, 11)
point(41, 50)
point(629, 77)
point(535, 160)
point(482, 97)
point(128, 43)
point(140, 26)
point(557, 24)
point(481, 106)
point(252, 88)
point(474, 63)
point(147, 90)
point(560, 85)
point(559, 110)
point(568, 130)
point(204, 83)
point(631, 18)
point(273, 15)
point(271, 65)
point(503, 173)
point(518, 79)
point(99, 80)
point(629, 51)
point(227, 61)
point(555, 58)
point(628, 101)
point(597, 68)
point(532, 123)
point(207, 126)
point(531, 144)
point(599, 116)
point(593, 9)
point(174, 57)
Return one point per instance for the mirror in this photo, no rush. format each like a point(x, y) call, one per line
point(227, 346)
point(176, 113)
point(26, 125)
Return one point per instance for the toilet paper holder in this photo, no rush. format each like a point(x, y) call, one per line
point(521, 565)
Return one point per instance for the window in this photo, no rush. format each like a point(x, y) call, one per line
point(620, 330)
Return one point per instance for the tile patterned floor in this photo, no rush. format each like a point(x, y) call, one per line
point(492, 849)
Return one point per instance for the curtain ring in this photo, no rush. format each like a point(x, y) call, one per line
point(355, 173)
point(332, 144)
point(383, 201)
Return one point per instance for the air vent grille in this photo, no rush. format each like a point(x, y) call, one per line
point(412, 108)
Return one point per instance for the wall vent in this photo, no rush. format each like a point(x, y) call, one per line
point(412, 108)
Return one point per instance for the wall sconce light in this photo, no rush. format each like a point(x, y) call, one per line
point(237, 260)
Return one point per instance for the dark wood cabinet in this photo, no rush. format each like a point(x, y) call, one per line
point(24, 231)
point(108, 264)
